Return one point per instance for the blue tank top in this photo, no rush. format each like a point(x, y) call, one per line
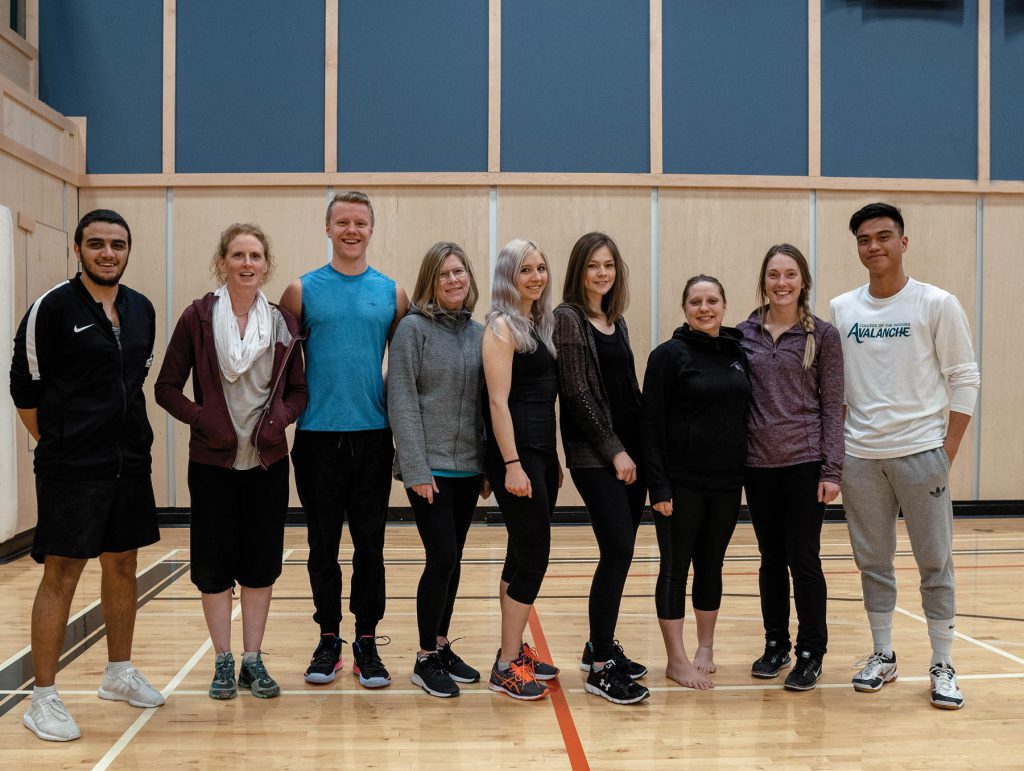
point(347, 319)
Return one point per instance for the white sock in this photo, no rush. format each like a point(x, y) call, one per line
point(42, 691)
point(113, 667)
point(249, 656)
point(940, 632)
point(881, 631)
point(504, 665)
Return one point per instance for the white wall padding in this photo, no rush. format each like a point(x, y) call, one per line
point(8, 435)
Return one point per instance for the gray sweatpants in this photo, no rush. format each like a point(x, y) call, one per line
point(874, 492)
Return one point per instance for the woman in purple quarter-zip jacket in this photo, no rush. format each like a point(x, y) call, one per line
point(794, 458)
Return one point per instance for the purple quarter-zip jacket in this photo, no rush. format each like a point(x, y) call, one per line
point(796, 415)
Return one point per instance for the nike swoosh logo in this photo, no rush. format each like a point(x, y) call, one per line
point(81, 329)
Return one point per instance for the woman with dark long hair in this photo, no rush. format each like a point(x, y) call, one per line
point(600, 421)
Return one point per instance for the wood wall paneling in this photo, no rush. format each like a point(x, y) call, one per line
point(1002, 416)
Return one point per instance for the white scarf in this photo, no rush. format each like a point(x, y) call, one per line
point(236, 354)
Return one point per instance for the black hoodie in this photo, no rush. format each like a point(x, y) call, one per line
point(695, 401)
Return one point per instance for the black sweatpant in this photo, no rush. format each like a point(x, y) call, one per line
point(443, 526)
point(787, 519)
point(527, 521)
point(339, 475)
point(615, 511)
point(699, 530)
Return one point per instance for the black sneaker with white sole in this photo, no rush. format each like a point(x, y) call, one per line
point(635, 669)
point(774, 659)
point(430, 675)
point(458, 670)
point(805, 672)
point(612, 682)
point(326, 660)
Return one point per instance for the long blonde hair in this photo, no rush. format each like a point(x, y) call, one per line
point(505, 299)
point(425, 294)
point(804, 314)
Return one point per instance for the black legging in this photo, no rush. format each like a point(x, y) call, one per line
point(443, 526)
point(528, 522)
point(787, 516)
point(615, 510)
point(699, 530)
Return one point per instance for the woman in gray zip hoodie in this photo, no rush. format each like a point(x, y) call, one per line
point(435, 377)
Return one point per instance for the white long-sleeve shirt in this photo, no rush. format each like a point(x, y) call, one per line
point(899, 354)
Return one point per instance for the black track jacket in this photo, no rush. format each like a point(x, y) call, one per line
point(85, 384)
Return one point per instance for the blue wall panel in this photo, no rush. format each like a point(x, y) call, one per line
point(1007, 89)
point(250, 86)
point(412, 85)
point(899, 84)
point(734, 83)
point(575, 85)
point(104, 59)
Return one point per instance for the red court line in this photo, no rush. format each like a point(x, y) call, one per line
point(573, 745)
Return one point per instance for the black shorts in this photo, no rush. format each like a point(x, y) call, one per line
point(82, 519)
point(237, 531)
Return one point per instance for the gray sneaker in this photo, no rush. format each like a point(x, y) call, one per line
point(223, 685)
point(50, 720)
point(253, 675)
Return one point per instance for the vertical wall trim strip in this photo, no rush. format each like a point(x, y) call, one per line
point(812, 242)
point(170, 322)
point(655, 266)
point(657, 161)
point(814, 88)
point(169, 83)
point(984, 89)
point(492, 233)
point(494, 86)
point(328, 246)
point(979, 316)
point(331, 86)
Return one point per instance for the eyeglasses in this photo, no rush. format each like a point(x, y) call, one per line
point(452, 275)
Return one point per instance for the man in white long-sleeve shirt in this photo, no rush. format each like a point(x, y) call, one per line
point(903, 342)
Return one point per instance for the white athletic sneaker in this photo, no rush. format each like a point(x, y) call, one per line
point(877, 670)
point(130, 685)
point(49, 719)
point(945, 692)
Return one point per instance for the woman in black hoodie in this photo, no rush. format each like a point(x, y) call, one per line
point(695, 399)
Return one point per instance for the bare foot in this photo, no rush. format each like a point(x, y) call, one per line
point(688, 676)
point(704, 660)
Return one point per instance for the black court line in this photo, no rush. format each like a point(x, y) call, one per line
point(989, 618)
point(84, 632)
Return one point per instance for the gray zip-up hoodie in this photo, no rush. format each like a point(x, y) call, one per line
point(435, 376)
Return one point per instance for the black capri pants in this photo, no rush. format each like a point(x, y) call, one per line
point(699, 531)
point(237, 528)
point(527, 521)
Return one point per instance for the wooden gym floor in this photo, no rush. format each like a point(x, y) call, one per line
point(743, 723)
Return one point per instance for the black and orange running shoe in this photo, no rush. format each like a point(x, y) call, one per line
point(518, 681)
point(541, 669)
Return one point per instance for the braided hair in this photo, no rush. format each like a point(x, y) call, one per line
point(804, 314)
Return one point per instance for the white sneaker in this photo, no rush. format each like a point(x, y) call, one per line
point(945, 692)
point(130, 685)
point(50, 720)
point(877, 670)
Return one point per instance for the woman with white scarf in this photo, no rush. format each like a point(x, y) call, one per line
point(248, 385)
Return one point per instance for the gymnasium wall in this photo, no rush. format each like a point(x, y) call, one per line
point(697, 134)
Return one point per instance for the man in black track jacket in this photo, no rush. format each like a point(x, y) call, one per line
point(81, 355)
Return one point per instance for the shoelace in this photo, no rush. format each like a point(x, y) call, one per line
point(435, 664)
point(803, 666)
point(257, 669)
point(944, 679)
point(224, 670)
point(530, 655)
point(875, 661)
point(522, 672)
point(326, 654)
point(615, 674)
point(368, 652)
point(135, 679)
point(54, 707)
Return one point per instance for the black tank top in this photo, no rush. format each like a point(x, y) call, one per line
point(531, 400)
